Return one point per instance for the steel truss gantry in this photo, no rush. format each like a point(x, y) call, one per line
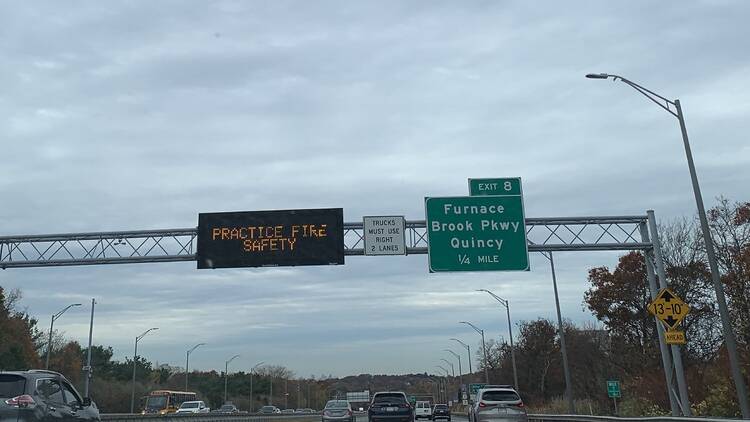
point(544, 235)
point(172, 245)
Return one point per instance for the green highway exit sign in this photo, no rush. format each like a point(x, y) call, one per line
point(613, 389)
point(495, 186)
point(476, 233)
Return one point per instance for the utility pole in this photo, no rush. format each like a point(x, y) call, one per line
point(88, 368)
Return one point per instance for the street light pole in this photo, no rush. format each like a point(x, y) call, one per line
point(51, 325)
point(739, 382)
point(453, 368)
point(445, 383)
point(457, 356)
point(187, 363)
point(226, 375)
point(484, 350)
point(506, 303)
point(135, 361)
point(252, 396)
point(468, 352)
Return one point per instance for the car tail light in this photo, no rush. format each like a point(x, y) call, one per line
point(482, 404)
point(20, 401)
point(519, 404)
point(349, 412)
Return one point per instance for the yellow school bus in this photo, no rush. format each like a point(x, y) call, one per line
point(162, 402)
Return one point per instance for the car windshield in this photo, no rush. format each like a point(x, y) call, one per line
point(266, 408)
point(500, 395)
point(156, 402)
point(11, 385)
point(389, 398)
point(227, 407)
point(337, 404)
point(189, 405)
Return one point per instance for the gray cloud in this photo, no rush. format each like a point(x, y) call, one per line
point(124, 115)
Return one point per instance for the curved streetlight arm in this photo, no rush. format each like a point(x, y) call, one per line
point(478, 330)
point(447, 374)
point(59, 314)
point(256, 366)
point(144, 333)
point(651, 95)
point(448, 362)
point(453, 353)
point(195, 347)
point(232, 358)
point(502, 301)
point(460, 342)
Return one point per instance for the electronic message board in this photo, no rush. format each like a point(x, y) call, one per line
point(271, 238)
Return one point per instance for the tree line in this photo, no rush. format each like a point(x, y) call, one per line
point(623, 345)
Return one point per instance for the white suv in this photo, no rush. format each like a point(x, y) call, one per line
point(423, 410)
point(193, 407)
point(498, 402)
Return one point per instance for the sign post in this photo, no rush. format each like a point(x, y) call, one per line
point(476, 233)
point(613, 391)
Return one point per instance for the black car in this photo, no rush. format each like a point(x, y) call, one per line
point(390, 406)
point(441, 411)
point(41, 396)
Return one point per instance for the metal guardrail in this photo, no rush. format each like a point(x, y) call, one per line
point(209, 417)
point(589, 418)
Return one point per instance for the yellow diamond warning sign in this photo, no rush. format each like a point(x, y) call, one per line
point(674, 337)
point(669, 309)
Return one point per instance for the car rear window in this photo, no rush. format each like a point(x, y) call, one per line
point(389, 398)
point(11, 385)
point(441, 407)
point(500, 396)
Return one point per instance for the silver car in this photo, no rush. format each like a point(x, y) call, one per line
point(338, 411)
point(498, 404)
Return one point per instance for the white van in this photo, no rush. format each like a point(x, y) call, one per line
point(422, 410)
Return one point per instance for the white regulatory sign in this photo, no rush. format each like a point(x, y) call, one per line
point(384, 235)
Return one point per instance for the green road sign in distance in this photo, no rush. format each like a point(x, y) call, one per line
point(613, 389)
point(476, 233)
point(495, 186)
point(474, 388)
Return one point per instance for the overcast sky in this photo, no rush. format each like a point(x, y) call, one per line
point(140, 115)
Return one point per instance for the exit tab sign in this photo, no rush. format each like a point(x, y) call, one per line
point(495, 186)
